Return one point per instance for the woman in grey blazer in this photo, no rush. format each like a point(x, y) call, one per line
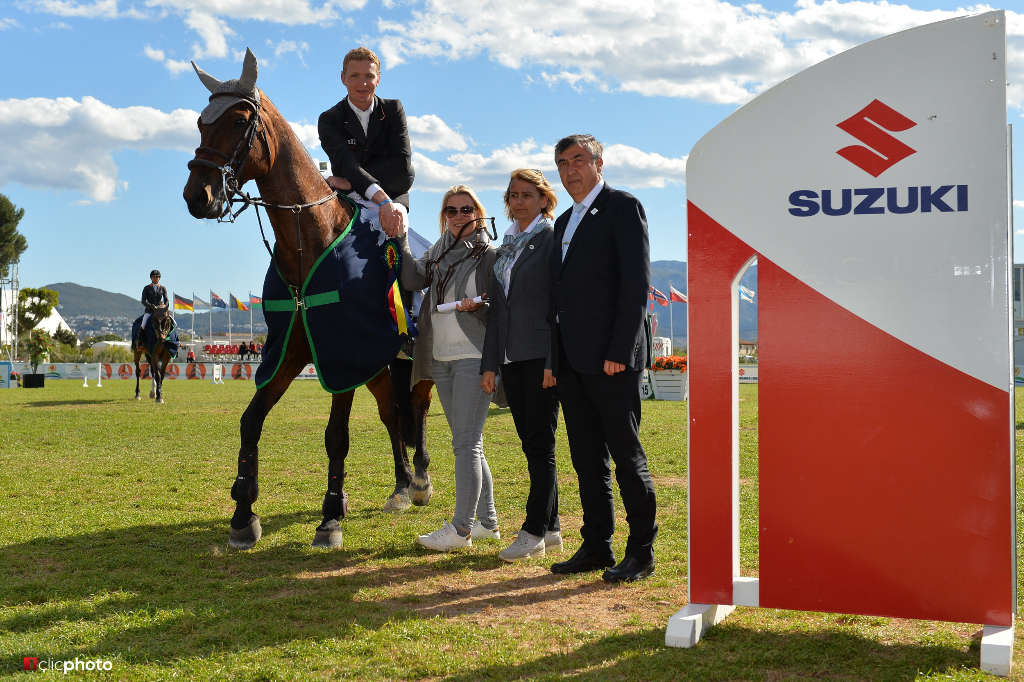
point(518, 345)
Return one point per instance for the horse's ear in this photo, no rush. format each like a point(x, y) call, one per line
point(209, 81)
point(250, 70)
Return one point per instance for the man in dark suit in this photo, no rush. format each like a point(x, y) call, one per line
point(600, 279)
point(367, 140)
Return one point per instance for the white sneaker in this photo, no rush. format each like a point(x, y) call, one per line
point(553, 541)
point(481, 532)
point(444, 539)
point(526, 546)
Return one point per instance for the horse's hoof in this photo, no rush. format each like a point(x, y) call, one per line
point(159, 401)
point(421, 490)
point(246, 538)
point(138, 397)
point(398, 502)
point(328, 535)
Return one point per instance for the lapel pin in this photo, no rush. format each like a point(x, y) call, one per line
point(593, 211)
point(531, 247)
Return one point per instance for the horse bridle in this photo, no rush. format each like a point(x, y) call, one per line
point(231, 192)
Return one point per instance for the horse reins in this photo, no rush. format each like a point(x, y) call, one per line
point(474, 251)
point(231, 193)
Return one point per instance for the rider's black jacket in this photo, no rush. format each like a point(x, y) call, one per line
point(154, 297)
point(383, 155)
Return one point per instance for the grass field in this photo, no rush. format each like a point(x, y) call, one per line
point(113, 545)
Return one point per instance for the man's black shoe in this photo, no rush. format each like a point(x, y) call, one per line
point(581, 562)
point(628, 571)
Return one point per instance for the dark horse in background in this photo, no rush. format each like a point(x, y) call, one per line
point(163, 325)
point(258, 144)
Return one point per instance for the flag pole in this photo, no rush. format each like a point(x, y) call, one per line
point(211, 314)
point(671, 321)
point(193, 313)
point(250, 317)
point(229, 317)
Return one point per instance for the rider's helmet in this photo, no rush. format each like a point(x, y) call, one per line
point(155, 273)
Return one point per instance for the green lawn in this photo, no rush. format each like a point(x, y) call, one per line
point(113, 545)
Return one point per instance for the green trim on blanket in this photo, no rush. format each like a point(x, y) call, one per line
point(313, 300)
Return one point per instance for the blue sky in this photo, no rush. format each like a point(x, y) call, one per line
point(98, 105)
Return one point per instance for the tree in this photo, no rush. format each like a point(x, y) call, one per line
point(12, 243)
point(39, 346)
point(34, 306)
point(65, 336)
point(87, 343)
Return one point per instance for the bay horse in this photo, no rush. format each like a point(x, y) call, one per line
point(242, 126)
point(163, 325)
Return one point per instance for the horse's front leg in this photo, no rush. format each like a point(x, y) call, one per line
point(336, 441)
point(158, 377)
point(387, 407)
point(152, 375)
point(245, 525)
point(138, 376)
point(422, 489)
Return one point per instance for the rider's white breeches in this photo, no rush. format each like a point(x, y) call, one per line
point(145, 319)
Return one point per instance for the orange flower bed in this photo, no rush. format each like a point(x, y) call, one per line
point(670, 362)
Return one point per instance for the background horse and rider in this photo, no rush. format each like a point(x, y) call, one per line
point(244, 137)
point(158, 341)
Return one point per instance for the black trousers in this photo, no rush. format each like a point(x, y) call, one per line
point(535, 413)
point(602, 420)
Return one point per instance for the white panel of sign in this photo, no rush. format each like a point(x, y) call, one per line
point(929, 236)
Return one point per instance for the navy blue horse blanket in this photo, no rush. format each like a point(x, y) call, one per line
point(150, 337)
point(342, 308)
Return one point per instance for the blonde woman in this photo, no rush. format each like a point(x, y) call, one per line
point(518, 346)
point(457, 269)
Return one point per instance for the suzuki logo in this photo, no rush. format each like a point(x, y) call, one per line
point(883, 150)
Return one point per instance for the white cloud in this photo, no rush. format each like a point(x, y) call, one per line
point(154, 54)
point(702, 49)
point(172, 65)
point(8, 23)
point(65, 144)
point(431, 134)
point(286, 46)
point(307, 134)
point(1017, 203)
point(624, 166)
point(212, 31)
point(208, 18)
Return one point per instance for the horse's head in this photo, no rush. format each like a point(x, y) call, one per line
point(234, 146)
point(160, 313)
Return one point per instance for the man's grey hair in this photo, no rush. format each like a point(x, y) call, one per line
point(588, 142)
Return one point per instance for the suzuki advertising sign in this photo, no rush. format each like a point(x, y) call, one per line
point(872, 191)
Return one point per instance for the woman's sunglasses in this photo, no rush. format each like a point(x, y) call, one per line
point(452, 211)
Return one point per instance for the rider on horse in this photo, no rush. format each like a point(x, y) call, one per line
point(153, 295)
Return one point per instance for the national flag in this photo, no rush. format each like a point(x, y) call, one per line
point(218, 302)
point(235, 303)
point(255, 301)
point(656, 295)
point(675, 295)
point(746, 294)
point(199, 303)
point(182, 303)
